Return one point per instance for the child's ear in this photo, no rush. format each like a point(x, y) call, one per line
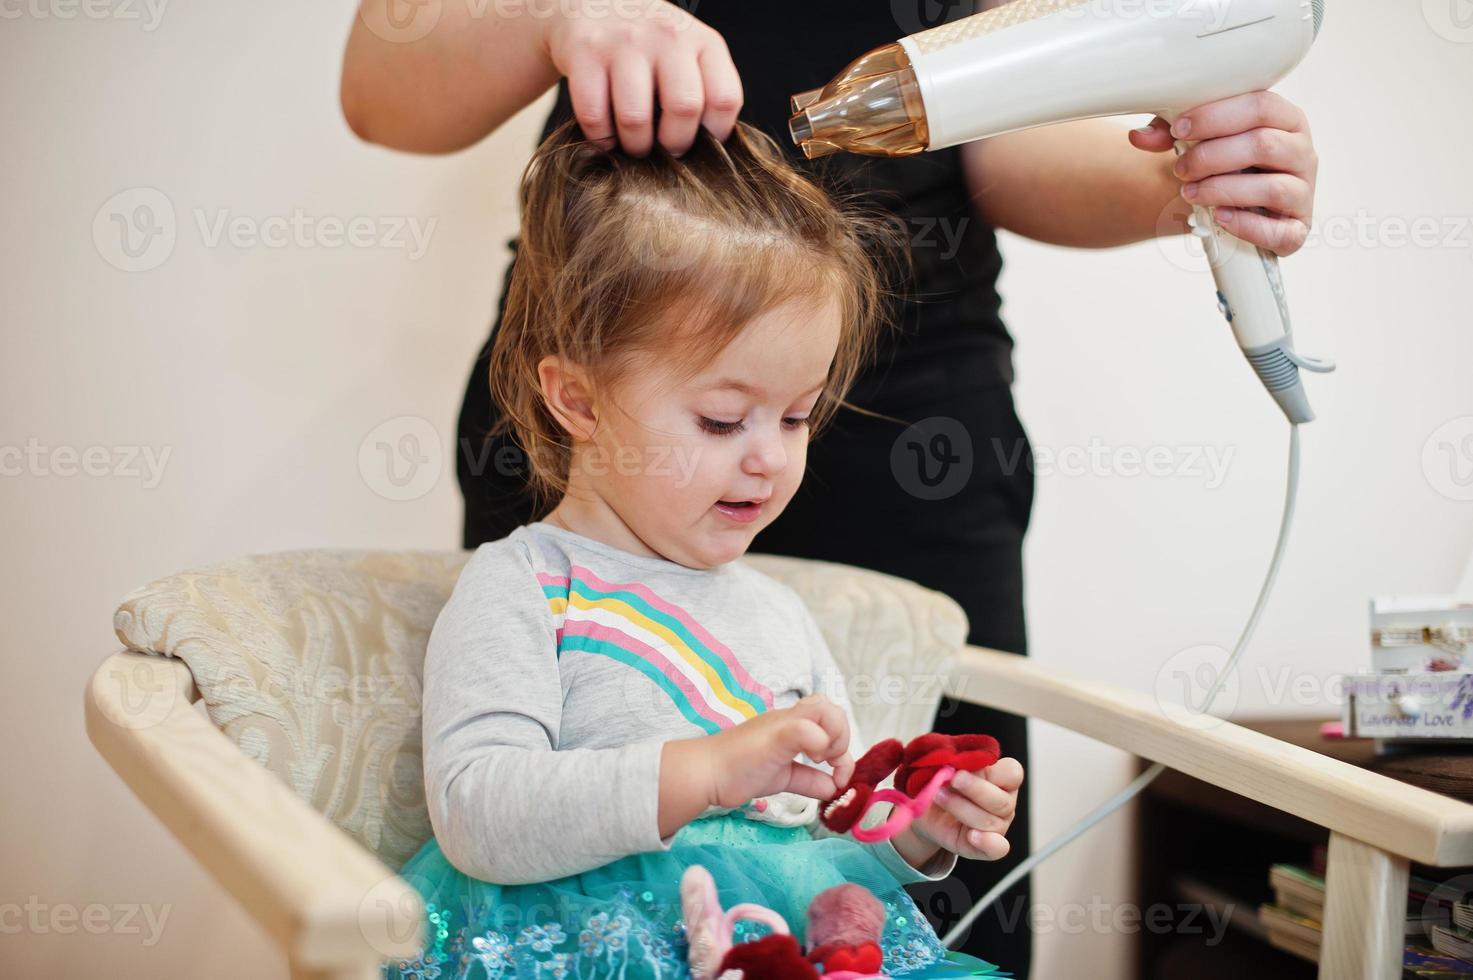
point(568, 395)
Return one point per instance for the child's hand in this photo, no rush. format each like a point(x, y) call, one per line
point(1261, 130)
point(757, 757)
point(971, 814)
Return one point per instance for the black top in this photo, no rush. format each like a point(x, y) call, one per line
point(951, 331)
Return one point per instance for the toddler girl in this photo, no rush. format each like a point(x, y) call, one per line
point(609, 696)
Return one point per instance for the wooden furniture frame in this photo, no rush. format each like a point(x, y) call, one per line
point(338, 912)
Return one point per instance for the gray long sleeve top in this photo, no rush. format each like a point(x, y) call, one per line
point(558, 669)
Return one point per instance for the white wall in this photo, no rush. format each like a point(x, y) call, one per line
point(260, 371)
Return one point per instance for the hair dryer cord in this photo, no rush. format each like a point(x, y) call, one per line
point(956, 933)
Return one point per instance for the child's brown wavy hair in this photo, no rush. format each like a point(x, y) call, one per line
point(621, 256)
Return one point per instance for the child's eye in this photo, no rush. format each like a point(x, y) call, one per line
point(796, 423)
point(719, 428)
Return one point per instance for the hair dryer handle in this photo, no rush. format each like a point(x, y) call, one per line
point(1250, 294)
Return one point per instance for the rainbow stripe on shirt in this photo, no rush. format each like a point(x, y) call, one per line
point(627, 622)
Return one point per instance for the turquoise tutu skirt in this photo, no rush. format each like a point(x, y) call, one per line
point(622, 920)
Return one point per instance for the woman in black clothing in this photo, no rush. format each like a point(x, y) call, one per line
point(943, 496)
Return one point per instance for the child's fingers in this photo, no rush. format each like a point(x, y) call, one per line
point(1005, 773)
point(808, 781)
point(970, 814)
point(805, 735)
point(987, 846)
point(844, 769)
point(831, 718)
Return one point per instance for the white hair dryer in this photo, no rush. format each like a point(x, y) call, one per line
point(1033, 62)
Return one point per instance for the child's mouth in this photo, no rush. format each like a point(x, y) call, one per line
point(741, 511)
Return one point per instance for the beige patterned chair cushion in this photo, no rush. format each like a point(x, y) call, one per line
point(310, 661)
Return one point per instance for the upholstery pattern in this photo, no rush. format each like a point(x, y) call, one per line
point(311, 661)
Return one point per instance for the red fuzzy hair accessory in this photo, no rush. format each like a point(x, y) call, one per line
point(921, 767)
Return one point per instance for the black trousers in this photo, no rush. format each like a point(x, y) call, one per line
point(942, 499)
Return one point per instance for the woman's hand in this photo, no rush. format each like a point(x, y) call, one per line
point(971, 814)
point(618, 60)
point(757, 757)
point(1262, 130)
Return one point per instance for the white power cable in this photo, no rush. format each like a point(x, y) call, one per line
point(1144, 779)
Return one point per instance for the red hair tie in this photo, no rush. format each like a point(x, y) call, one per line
point(921, 768)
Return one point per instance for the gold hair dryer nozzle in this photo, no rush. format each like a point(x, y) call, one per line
point(872, 107)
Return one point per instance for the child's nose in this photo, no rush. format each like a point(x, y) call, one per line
point(768, 455)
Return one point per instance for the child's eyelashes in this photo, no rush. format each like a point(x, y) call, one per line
point(719, 428)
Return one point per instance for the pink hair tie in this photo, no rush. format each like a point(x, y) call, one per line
point(906, 808)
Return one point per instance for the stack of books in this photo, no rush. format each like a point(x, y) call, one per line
point(1439, 924)
point(1293, 918)
point(1455, 938)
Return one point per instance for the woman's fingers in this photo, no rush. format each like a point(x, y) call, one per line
point(626, 70)
point(1282, 236)
point(1270, 149)
point(1286, 194)
point(1269, 134)
point(1288, 198)
point(682, 99)
point(722, 86)
point(588, 89)
point(1239, 114)
point(632, 84)
point(1155, 136)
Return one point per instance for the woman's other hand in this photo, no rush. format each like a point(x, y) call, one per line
point(621, 63)
point(1262, 130)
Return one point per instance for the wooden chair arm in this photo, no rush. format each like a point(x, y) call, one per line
point(332, 906)
point(1390, 816)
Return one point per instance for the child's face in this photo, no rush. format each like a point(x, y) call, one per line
point(736, 432)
